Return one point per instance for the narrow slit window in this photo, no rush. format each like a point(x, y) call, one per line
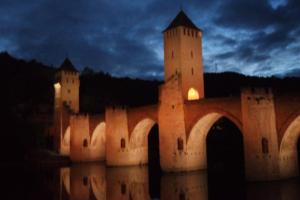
point(85, 143)
point(123, 188)
point(85, 181)
point(123, 143)
point(265, 145)
point(180, 144)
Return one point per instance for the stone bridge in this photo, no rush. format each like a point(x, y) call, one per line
point(121, 135)
point(269, 122)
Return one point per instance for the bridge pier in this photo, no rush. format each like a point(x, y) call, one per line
point(86, 145)
point(120, 152)
point(172, 133)
point(80, 138)
point(260, 135)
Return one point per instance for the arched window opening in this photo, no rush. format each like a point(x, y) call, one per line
point(85, 143)
point(192, 71)
point(123, 143)
point(180, 144)
point(265, 145)
point(192, 55)
point(193, 94)
point(172, 54)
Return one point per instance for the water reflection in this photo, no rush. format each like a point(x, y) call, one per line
point(192, 185)
point(95, 181)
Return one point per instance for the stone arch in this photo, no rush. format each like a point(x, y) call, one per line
point(65, 144)
point(138, 137)
point(98, 187)
point(138, 141)
point(65, 176)
point(198, 134)
point(193, 94)
point(98, 140)
point(288, 153)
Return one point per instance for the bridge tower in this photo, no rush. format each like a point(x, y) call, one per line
point(66, 102)
point(183, 56)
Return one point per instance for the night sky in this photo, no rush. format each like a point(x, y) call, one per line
point(124, 37)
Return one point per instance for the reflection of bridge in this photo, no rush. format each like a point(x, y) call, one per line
point(270, 124)
point(94, 181)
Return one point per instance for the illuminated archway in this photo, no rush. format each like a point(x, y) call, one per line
point(138, 141)
point(197, 138)
point(196, 141)
point(225, 151)
point(97, 146)
point(193, 94)
point(138, 137)
point(65, 144)
point(288, 155)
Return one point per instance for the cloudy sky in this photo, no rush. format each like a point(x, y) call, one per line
point(123, 37)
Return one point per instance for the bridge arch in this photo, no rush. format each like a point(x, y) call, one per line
point(98, 140)
point(196, 139)
point(65, 144)
point(65, 176)
point(139, 141)
point(138, 137)
point(288, 152)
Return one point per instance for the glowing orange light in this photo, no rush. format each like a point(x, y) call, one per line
point(193, 94)
point(57, 86)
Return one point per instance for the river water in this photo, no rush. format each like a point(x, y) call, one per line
point(96, 181)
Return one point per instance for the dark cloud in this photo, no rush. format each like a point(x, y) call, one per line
point(124, 37)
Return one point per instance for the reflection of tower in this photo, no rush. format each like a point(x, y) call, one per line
point(183, 56)
point(66, 101)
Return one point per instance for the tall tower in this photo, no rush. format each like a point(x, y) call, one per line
point(67, 87)
point(183, 56)
point(66, 102)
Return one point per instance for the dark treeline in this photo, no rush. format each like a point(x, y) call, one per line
point(28, 87)
point(27, 91)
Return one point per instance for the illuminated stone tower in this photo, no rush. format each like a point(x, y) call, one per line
point(183, 56)
point(66, 102)
point(67, 87)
